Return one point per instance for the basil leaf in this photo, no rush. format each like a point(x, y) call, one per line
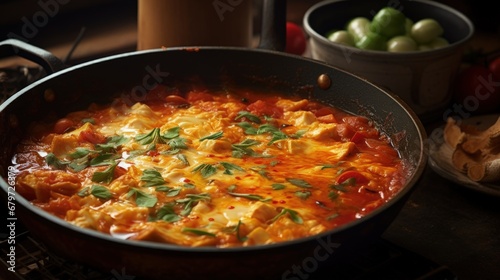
point(299, 183)
point(112, 143)
point(294, 215)
point(251, 117)
point(172, 133)
point(152, 178)
point(52, 160)
point(236, 229)
point(267, 128)
point(277, 135)
point(143, 199)
point(205, 169)
point(151, 137)
point(167, 213)
point(213, 136)
point(103, 159)
point(101, 192)
point(278, 186)
point(228, 167)
point(83, 192)
point(332, 216)
point(190, 200)
point(106, 175)
point(303, 194)
point(197, 231)
point(247, 128)
point(299, 133)
point(333, 195)
point(79, 164)
point(177, 143)
point(250, 196)
point(80, 153)
point(183, 158)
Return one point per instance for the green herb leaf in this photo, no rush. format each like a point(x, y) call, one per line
point(294, 215)
point(177, 143)
point(152, 178)
point(105, 176)
point(213, 136)
point(172, 133)
point(151, 137)
point(333, 195)
point(267, 128)
point(167, 213)
point(83, 192)
point(299, 182)
point(277, 135)
point(303, 194)
point(52, 160)
point(170, 192)
point(80, 153)
point(247, 128)
point(103, 159)
point(197, 231)
point(183, 158)
point(299, 133)
point(251, 117)
point(229, 167)
point(332, 216)
point(236, 229)
point(101, 192)
point(278, 186)
point(243, 148)
point(79, 164)
point(250, 196)
point(190, 200)
point(112, 143)
point(143, 199)
point(206, 170)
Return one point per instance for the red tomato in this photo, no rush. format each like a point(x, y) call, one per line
point(478, 90)
point(295, 39)
point(494, 66)
point(91, 137)
point(63, 125)
point(360, 178)
point(261, 108)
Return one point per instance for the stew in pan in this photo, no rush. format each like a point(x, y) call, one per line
point(199, 167)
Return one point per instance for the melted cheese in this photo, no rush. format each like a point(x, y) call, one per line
point(209, 175)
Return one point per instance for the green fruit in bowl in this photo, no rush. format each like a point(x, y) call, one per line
point(426, 30)
point(372, 41)
point(388, 22)
point(401, 44)
point(358, 27)
point(341, 37)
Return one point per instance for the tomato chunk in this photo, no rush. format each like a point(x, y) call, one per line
point(262, 108)
point(357, 176)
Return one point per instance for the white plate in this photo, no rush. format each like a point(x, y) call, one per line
point(440, 157)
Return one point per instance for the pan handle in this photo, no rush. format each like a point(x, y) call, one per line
point(273, 32)
point(49, 62)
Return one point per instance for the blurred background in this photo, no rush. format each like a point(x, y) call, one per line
point(111, 25)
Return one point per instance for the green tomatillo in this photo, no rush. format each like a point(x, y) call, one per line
point(388, 22)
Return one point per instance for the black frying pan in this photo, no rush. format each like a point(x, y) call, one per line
point(267, 70)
